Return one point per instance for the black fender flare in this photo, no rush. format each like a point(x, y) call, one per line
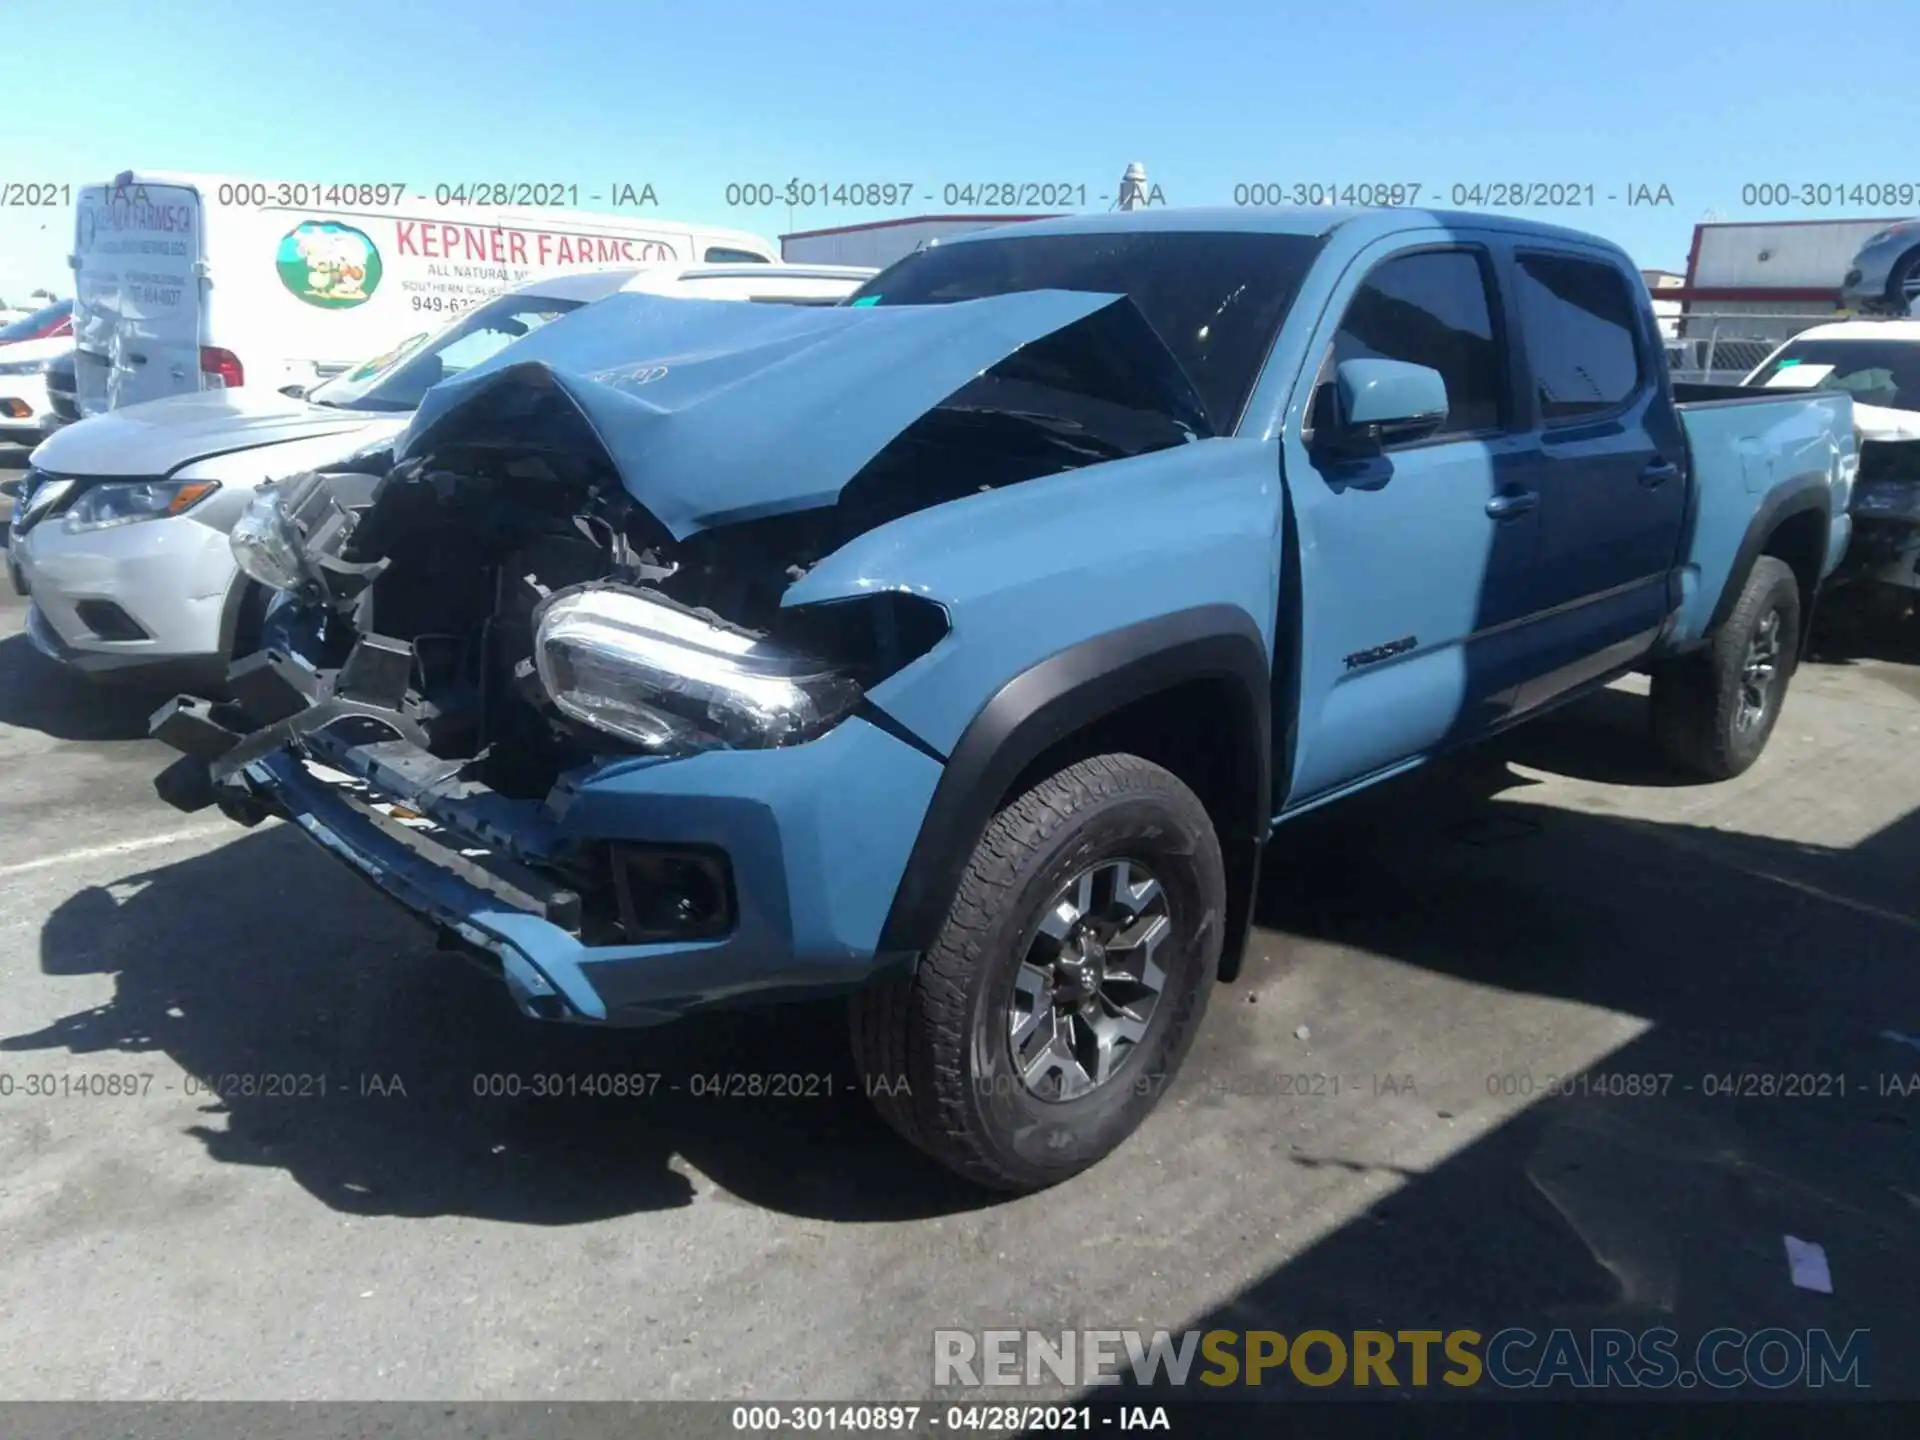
point(1057, 697)
point(1807, 492)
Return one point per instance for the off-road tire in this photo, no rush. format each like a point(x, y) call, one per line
point(1696, 699)
point(932, 1047)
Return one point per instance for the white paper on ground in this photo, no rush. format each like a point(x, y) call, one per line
point(1807, 1264)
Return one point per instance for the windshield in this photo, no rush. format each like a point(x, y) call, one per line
point(1215, 299)
point(395, 381)
point(28, 326)
point(1875, 372)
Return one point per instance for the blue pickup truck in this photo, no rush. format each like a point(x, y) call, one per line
point(959, 647)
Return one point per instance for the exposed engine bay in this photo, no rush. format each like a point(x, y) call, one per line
point(446, 563)
point(454, 556)
point(578, 558)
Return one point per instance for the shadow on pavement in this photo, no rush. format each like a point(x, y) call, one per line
point(1656, 1189)
point(38, 694)
point(1743, 955)
point(1605, 738)
point(1856, 625)
point(265, 958)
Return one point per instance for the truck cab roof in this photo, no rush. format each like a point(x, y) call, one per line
point(1362, 226)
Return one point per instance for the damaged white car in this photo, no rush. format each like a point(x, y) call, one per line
point(1877, 362)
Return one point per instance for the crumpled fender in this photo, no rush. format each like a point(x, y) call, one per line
point(1028, 571)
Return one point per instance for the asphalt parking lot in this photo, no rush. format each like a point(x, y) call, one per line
point(1444, 947)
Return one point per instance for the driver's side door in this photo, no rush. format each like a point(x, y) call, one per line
point(1415, 556)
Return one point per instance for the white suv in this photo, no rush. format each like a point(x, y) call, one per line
point(120, 529)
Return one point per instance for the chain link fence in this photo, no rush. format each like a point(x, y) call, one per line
point(1723, 349)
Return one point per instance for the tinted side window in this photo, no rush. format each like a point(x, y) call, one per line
point(723, 255)
point(1581, 325)
point(1432, 308)
point(1215, 298)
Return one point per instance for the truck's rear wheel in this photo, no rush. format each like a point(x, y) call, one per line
point(1066, 984)
point(1714, 710)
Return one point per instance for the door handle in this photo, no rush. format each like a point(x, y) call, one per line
point(1658, 473)
point(1510, 503)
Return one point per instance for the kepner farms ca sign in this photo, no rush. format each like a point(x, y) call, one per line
point(511, 245)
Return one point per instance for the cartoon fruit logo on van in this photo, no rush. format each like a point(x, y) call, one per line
point(329, 264)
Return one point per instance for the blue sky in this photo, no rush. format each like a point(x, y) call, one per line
point(1702, 99)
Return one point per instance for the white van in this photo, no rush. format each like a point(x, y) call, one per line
point(197, 282)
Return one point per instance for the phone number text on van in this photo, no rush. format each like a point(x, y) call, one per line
point(501, 246)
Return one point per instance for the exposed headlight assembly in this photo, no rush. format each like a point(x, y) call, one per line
point(121, 503)
point(669, 680)
point(292, 533)
point(264, 544)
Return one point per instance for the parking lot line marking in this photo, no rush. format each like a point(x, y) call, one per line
point(1878, 912)
point(1859, 907)
point(119, 847)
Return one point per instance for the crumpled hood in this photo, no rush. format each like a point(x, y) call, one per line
point(718, 411)
point(159, 436)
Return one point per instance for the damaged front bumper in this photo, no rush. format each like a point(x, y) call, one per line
point(672, 454)
point(810, 843)
point(1885, 509)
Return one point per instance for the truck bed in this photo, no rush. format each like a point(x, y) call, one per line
point(1746, 446)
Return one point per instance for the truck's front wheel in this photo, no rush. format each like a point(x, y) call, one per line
point(1714, 710)
point(1066, 984)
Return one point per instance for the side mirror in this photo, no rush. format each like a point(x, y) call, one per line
point(294, 392)
point(1382, 402)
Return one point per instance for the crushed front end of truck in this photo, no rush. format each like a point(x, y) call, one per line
point(546, 674)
